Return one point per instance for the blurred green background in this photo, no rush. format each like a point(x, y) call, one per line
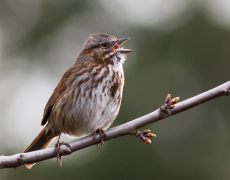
point(180, 47)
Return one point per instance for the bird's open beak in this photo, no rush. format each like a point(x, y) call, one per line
point(121, 40)
point(121, 49)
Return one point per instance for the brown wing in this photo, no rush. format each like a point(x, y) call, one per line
point(58, 91)
point(61, 87)
point(80, 67)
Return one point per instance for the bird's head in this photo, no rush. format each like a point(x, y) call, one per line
point(104, 47)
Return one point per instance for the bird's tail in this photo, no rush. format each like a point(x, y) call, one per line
point(42, 140)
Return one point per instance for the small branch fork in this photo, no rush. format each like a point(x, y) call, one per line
point(171, 107)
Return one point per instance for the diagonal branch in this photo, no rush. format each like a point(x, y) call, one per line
point(121, 130)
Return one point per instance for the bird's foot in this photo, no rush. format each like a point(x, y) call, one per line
point(145, 135)
point(102, 135)
point(58, 149)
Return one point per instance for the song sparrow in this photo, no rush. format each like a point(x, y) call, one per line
point(88, 96)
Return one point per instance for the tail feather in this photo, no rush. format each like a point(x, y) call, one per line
point(42, 140)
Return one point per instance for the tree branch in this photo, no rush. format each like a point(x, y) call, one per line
point(121, 130)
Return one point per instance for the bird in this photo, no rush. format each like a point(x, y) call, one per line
point(88, 97)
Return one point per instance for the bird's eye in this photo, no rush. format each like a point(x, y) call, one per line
point(105, 45)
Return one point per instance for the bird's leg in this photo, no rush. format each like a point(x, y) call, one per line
point(57, 149)
point(145, 135)
point(102, 137)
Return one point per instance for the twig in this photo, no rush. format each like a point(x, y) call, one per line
point(121, 130)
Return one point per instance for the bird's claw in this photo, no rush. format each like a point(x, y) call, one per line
point(102, 137)
point(57, 149)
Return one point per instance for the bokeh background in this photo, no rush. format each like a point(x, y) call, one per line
point(179, 46)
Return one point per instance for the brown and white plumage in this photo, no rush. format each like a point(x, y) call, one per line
point(88, 96)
